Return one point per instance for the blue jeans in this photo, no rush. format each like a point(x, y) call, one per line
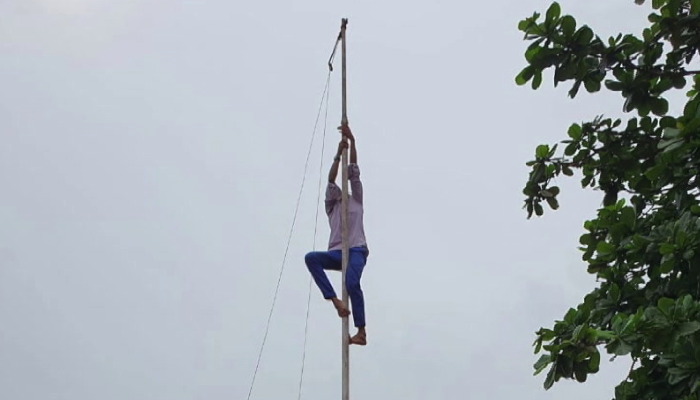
point(319, 261)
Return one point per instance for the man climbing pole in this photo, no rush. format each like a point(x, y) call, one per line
point(319, 261)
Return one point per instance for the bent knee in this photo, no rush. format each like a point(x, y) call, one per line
point(311, 258)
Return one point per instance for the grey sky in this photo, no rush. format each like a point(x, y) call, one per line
point(151, 156)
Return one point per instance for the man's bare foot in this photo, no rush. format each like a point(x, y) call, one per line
point(340, 307)
point(360, 338)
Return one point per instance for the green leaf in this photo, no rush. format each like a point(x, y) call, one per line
point(694, 7)
point(614, 293)
point(687, 328)
point(551, 169)
point(542, 151)
point(665, 305)
point(667, 264)
point(549, 381)
point(671, 145)
point(667, 122)
point(542, 363)
point(592, 85)
point(631, 102)
point(628, 216)
point(691, 108)
point(574, 89)
point(604, 335)
point(585, 239)
point(580, 372)
point(584, 35)
point(621, 347)
point(671, 133)
point(553, 12)
point(596, 268)
point(614, 86)
point(567, 171)
point(688, 303)
point(594, 362)
point(667, 248)
point(533, 50)
point(553, 203)
point(525, 75)
point(654, 173)
point(546, 334)
point(568, 26)
point(677, 375)
point(654, 316)
point(575, 132)
point(524, 24)
point(571, 149)
point(663, 85)
point(538, 209)
point(605, 248)
point(537, 80)
point(659, 106)
point(537, 173)
point(679, 81)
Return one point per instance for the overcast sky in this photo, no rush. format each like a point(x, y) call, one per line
point(150, 162)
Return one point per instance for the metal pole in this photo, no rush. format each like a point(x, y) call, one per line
point(344, 224)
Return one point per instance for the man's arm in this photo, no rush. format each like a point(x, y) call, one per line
point(333, 173)
point(353, 168)
point(345, 130)
point(333, 192)
point(353, 152)
point(355, 182)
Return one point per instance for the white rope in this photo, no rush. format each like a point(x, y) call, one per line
point(318, 206)
point(291, 231)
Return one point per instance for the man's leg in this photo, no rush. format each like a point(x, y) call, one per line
point(317, 262)
point(356, 265)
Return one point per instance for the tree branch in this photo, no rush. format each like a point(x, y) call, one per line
point(634, 361)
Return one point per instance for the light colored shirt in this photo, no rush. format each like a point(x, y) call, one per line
point(356, 229)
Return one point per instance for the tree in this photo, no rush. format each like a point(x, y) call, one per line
point(644, 244)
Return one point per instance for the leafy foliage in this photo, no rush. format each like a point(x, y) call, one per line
point(644, 244)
